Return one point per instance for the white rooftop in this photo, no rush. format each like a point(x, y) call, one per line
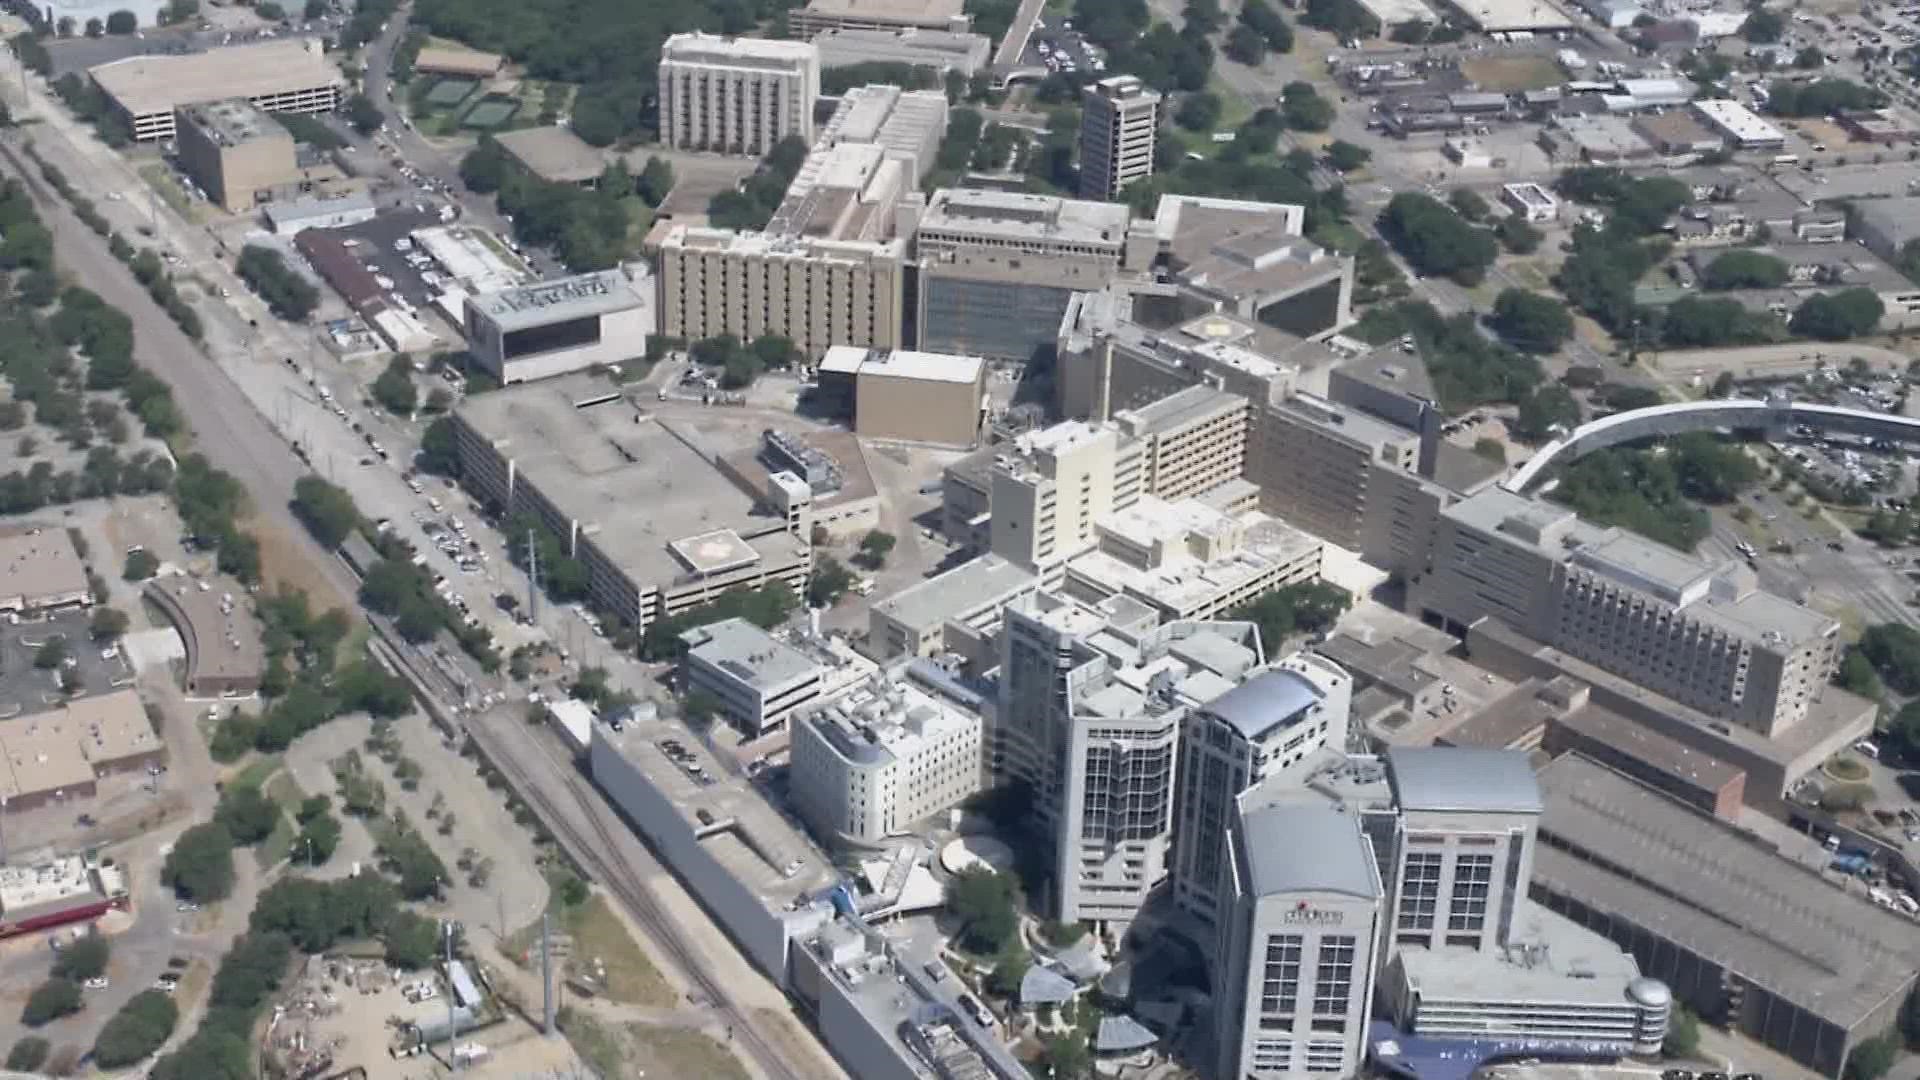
point(1738, 121)
point(926, 366)
point(598, 293)
point(717, 51)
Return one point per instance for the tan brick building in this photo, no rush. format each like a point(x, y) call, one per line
point(237, 153)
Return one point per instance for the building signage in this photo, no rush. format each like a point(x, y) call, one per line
point(1305, 914)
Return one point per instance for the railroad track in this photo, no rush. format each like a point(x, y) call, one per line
point(595, 853)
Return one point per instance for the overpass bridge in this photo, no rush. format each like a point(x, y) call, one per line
point(1775, 415)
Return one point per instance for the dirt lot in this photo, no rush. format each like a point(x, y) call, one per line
point(1511, 74)
point(631, 1048)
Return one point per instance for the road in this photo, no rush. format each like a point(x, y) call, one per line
point(1007, 53)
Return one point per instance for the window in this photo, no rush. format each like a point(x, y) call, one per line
point(1420, 891)
point(1333, 976)
point(1472, 879)
point(1280, 986)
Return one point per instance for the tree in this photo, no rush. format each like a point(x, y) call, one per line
point(327, 511)
point(1821, 97)
point(1274, 32)
point(1722, 385)
point(318, 840)
point(364, 115)
point(983, 901)
point(200, 866)
point(1246, 46)
point(1838, 316)
point(1872, 1058)
point(28, 1054)
point(1306, 607)
point(655, 181)
point(1303, 109)
point(287, 294)
point(875, 547)
point(212, 1054)
point(247, 814)
point(1763, 27)
point(142, 1025)
point(1683, 1034)
point(1343, 156)
point(1066, 1054)
point(412, 940)
point(829, 581)
point(1198, 112)
point(1468, 204)
point(51, 1000)
point(51, 654)
point(140, 566)
point(1530, 321)
point(1518, 236)
point(270, 10)
point(394, 388)
point(1010, 967)
point(95, 28)
point(1743, 268)
point(1436, 240)
point(122, 22)
point(1894, 651)
point(84, 959)
point(1550, 411)
point(485, 167)
point(107, 623)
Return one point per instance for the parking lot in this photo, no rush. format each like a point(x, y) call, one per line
point(1056, 45)
point(377, 252)
point(26, 687)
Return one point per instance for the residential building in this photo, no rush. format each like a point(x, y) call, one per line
point(1118, 122)
point(555, 327)
point(878, 761)
point(1267, 724)
point(1746, 938)
point(658, 527)
point(554, 154)
point(40, 570)
point(910, 396)
point(1300, 937)
point(289, 75)
point(1705, 636)
point(1092, 702)
point(1531, 201)
point(736, 95)
point(887, 15)
point(815, 293)
point(756, 680)
point(1740, 126)
point(235, 152)
point(942, 50)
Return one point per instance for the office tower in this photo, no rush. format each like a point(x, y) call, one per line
point(736, 95)
point(1465, 850)
point(1117, 129)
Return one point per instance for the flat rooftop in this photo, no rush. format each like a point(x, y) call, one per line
point(994, 216)
point(1490, 15)
point(751, 839)
point(42, 755)
point(40, 563)
point(749, 654)
point(546, 302)
point(885, 717)
point(1649, 747)
point(553, 153)
point(226, 636)
point(1450, 778)
point(231, 123)
point(1181, 580)
point(1180, 408)
point(1549, 959)
point(717, 51)
point(632, 480)
point(151, 84)
point(900, 9)
point(922, 366)
point(24, 888)
point(1719, 892)
point(987, 581)
point(111, 728)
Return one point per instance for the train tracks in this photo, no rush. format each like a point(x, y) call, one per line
point(595, 850)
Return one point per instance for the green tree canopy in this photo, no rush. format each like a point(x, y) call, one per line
point(1742, 268)
point(50, 1001)
point(200, 866)
point(983, 901)
point(1436, 240)
point(325, 509)
point(1837, 316)
point(394, 388)
point(84, 959)
point(1530, 321)
point(142, 1025)
point(1548, 412)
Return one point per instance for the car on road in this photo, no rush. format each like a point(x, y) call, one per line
point(98, 982)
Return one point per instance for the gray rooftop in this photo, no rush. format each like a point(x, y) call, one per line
point(1576, 967)
point(548, 302)
point(553, 153)
point(748, 653)
point(1716, 891)
point(961, 590)
point(634, 483)
point(1266, 701)
point(1306, 848)
point(282, 214)
point(1463, 778)
point(1014, 216)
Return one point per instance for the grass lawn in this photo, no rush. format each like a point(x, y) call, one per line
point(687, 1053)
point(1512, 74)
point(279, 843)
point(162, 181)
point(1340, 236)
point(599, 934)
point(256, 772)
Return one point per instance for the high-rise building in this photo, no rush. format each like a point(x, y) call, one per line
point(815, 293)
point(1300, 935)
point(736, 95)
point(1117, 128)
point(1048, 495)
point(1465, 850)
point(1091, 706)
point(1707, 637)
point(1265, 726)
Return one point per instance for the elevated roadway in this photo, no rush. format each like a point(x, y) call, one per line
point(1774, 414)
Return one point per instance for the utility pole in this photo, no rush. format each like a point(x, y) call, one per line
point(533, 578)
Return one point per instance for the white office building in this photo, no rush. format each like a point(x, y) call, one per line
point(1465, 850)
point(757, 680)
point(736, 95)
point(1299, 940)
point(883, 758)
point(554, 327)
point(1265, 726)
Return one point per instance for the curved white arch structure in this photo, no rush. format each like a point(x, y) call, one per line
point(1774, 414)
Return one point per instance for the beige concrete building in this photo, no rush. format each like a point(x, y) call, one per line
point(736, 95)
point(41, 569)
point(1708, 637)
point(1053, 486)
point(819, 15)
point(658, 526)
point(276, 76)
point(1190, 560)
point(221, 636)
point(911, 396)
point(942, 50)
point(1118, 123)
point(815, 293)
point(237, 153)
point(1193, 440)
point(907, 124)
point(1315, 464)
point(454, 60)
point(955, 612)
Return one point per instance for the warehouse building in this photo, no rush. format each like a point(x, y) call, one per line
point(822, 15)
point(553, 327)
point(292, 75)
point(1887, 225)
point(57, 755)
point(300, 215)
point(910, 396)
point(942, 50)
point(235, 152)
point(40, 569)
point(1744, 937)
point(736, 95)
point(1740, 126)
point(554, 154)
point(657, 525)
